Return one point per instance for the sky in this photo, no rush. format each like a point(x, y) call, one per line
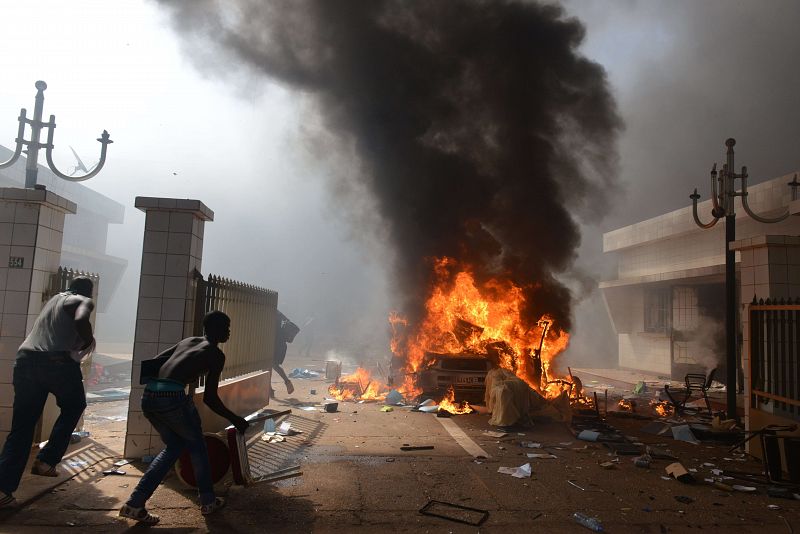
point(686, 75)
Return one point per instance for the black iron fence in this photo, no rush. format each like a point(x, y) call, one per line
point(253, 312)
point(775, 355)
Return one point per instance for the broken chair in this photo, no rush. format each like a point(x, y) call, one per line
point(696, 386)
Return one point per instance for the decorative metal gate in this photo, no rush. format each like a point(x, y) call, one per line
point(775, 355)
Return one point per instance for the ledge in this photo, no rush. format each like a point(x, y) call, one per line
point(196, 207)
point(39, 196)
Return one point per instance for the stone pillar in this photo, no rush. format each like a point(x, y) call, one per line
point(171, 252)
point(31, 232)
point(769, 268)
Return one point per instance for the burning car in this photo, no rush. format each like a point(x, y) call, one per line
point(466, 373)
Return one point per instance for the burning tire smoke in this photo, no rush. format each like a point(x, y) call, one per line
point(482, 134)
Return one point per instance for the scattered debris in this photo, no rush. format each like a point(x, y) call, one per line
point(272, 437)
point(588, 435)
point(680, 473)
point(115, 472)
point(416, 447)
point(303, 373)
point(493, 434)
point(655, 427)
point(659, 454)
point(684, 433)
point(643, 461)
point(684, 499)
point(120, 463)
point(541, 456)
point(387, 409)
point(394, 397)
point(523, 471)
point(608, 465)
point(530, 444)
point(571, 483)
point(455, 512)
point(592, 523)
point(744, 489)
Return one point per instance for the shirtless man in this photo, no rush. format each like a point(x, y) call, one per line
point(173, 414)
point(48, 361)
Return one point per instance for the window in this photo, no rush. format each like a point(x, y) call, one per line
point(657, 309)
point(684, 308)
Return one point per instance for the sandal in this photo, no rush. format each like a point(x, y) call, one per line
point(207, 509)
point(7, 500)
point(138, 514)
point(43, 469)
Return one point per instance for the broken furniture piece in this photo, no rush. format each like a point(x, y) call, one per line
point(227, 451)
point(696, 385)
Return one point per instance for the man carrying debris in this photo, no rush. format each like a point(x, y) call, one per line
point(285, 332)
point(172, 413)
point(48, 361)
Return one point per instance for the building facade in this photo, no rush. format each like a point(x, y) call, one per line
point(667, 303)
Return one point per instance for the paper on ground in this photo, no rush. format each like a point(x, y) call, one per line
point(523, 471)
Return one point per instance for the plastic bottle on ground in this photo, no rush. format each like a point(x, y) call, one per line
point(269, 425)
point(592, 523)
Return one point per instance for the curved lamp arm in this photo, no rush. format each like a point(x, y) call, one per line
point(104, 140)
point(20, 134)
point(694, 196)
point(747, 207)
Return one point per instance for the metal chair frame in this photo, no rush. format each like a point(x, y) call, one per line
point(696, 384)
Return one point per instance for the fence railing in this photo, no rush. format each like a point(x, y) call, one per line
point(775, 355)
point(61, 279)
point(253, 312)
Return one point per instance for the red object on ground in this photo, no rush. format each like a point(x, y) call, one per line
point(218, 456)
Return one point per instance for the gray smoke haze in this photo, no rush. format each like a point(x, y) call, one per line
point(687, 75)
point(478, 130)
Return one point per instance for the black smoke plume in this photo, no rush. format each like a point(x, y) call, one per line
point(481, 133)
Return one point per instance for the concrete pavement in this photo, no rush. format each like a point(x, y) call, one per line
point(356, 479)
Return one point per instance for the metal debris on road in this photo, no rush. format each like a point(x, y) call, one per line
point(455, 512)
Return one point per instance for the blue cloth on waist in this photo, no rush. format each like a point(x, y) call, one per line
point(164, 384)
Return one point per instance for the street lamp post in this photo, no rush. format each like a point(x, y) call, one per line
point(32, 165)
point(723, 193)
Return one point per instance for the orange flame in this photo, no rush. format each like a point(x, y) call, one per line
point(663, 409)
point(358, 386)
point(463, 315)
point(449, 404)
point(625, 405)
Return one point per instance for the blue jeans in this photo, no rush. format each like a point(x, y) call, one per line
point(35, 375)
point(178, 423)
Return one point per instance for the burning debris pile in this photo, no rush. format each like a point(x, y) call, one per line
point(359, 386)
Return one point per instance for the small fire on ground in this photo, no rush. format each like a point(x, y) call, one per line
point(449, 404)
point(662, 408)
point(626, 405)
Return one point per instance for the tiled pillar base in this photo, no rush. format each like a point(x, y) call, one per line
point(172, 251)
point(31, 232)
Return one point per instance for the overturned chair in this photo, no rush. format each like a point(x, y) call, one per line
point(697, 386)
